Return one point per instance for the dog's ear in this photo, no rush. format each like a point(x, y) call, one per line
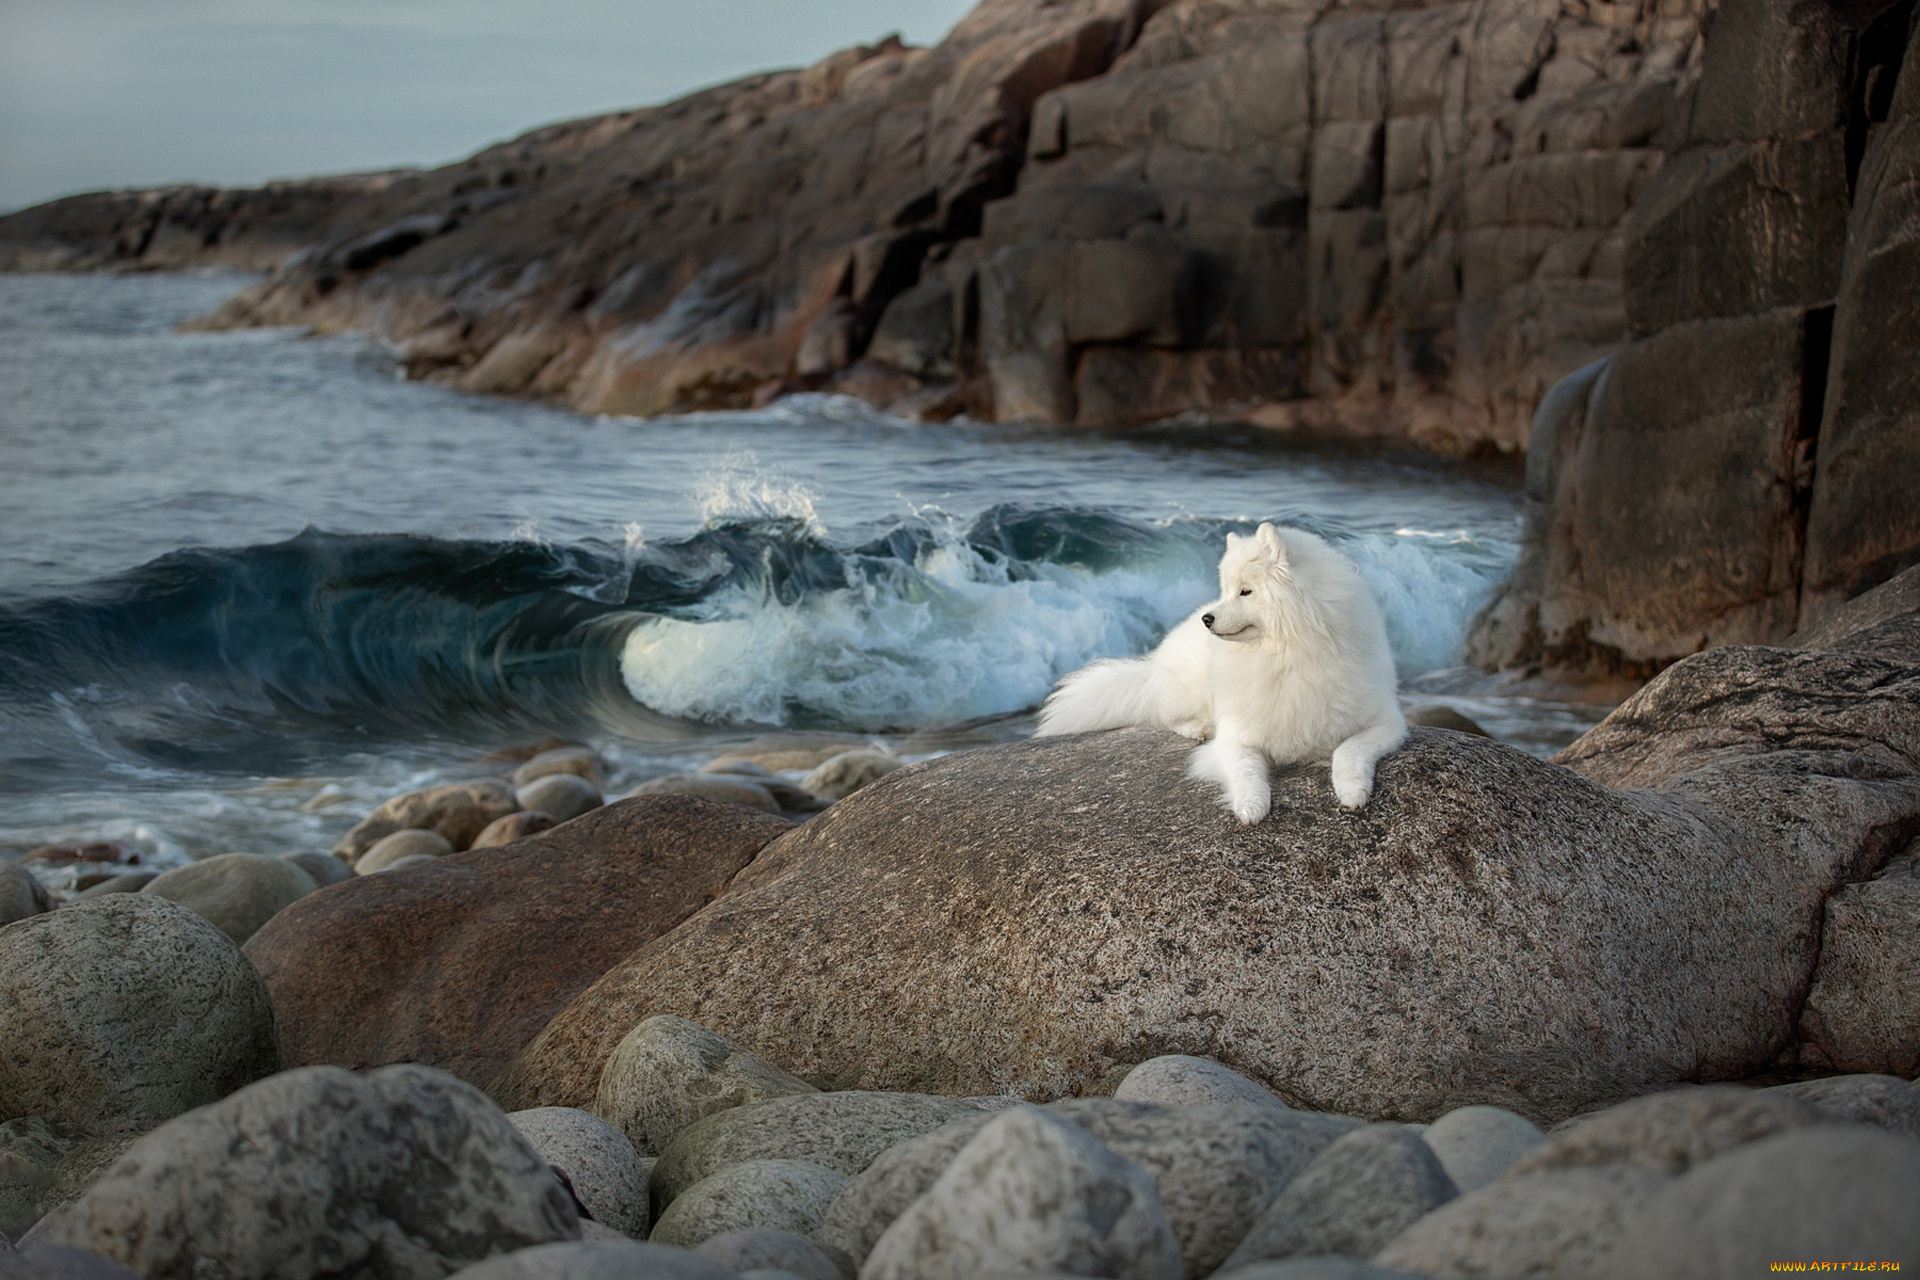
point(1234, 540)
point(1267, 538)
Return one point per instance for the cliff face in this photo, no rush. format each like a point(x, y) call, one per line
point(1384, 218)
point(1744, 463)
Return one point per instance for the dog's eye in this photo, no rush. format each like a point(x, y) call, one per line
point(1246, 591)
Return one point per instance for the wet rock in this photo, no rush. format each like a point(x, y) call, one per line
point(782, 1195)
point(1030, 1191)
point(238, 892)
point(405, 1172)
point(1830, 1193)
point(848, 772)
point(459, 812)
point(582, 762)
point(515, 826)
point(323, 867)
point(841, 1131)
point(169, 1016)
point(456, 963)
point(389, 850)
point(1727, 800)
point(667, 1073)
point(1556, 1222)
point(915, 332)
point(723, 790)
point(1886, 1102)
point(761, 1248)
point(1180, 1079)
point(21, 895)
point(610, 1260)
point(1670, 1132)
point(564, 795)
point(778, 751)
point(1354, 1198)
point(1478, 1144)
point(599, 1163)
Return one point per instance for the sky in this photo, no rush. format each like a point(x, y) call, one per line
point(132, 93)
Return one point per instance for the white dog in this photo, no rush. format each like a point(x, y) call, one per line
point(1291, 663)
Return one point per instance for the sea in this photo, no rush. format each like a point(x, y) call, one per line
point(256, 582)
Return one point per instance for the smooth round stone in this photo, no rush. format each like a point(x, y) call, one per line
point(131, 882)
point(238, 892)
point(768, 1249)
point(598, 1260)
point(122, 1012)
point(581, 762)
point(1886, 1102)
point(850, 771)
point(564, 795)
point(1478, 1144)
point(21, 894)
point(1184, 1080)
point(784, 1195)
point(459, 811)
point(389, 850)
point(411, 860)
point(777, 751)
point(710, 786)
point(323, 867)
point(599, 1162)
point(668, 1072)
point(515, 826)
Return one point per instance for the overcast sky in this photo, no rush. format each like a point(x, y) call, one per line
point(134, 93)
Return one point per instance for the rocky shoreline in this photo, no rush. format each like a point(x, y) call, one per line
point(1034, 1009)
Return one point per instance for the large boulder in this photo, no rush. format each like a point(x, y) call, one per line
point(458, 961)
point(1492, 928)
point(401, 1174)
point(123, 1011)
point(238, 892)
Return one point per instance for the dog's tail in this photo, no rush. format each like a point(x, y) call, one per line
point(1109, 694)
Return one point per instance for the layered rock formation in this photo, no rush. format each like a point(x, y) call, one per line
point(1741, 466)
point(1037, 917)
point(1379, 218)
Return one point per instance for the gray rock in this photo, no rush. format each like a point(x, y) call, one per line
point(1863, 1013)
point(1031, 1191)
point(711, 786)
point(389, 851)
point(21, 894)
point(169, 1016)
point(564, 795)
point(410, 860)
point(1886, 1102)
point(668, 1072)
point(459, 812)
point(1563, 1223)
point(777, 751)
point(84, 1164)
point(238, 892)
point(898, 1176)
point(30, 1150)
point(130, 882)
point(763, 1249)
point(1181, 1079)
point(581, 762)
point(598, 1161)
point(403, 1172)
point(610, 1260)
point(1215, 1167)
point(323, 867)
point(1354, 1198)
point(57, 1262)
point(848, 772)
point(781, 1195)
point(1313, 1269)
point(842, 1131)
point(1827, 1194)
point(915, 332)
point(1669, 1132)
point(1477, 1144)
point(515, 826)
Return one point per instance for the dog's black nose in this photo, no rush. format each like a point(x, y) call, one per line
point(1206, 620)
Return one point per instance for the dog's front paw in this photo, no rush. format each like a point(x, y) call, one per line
point(1250, 808)
point(1352, 793)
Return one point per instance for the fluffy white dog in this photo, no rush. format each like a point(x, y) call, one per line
point(1291, 663)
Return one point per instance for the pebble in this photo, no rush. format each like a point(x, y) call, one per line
point(1179, 1078)
point(598, 1260)
point(21, 894)
point(323, 867)
point(850, 771)
point(668, 1072)
point(128, 882)
point(783, 1195)
point(388, 850)
point(1887, 1102)
point(564, 795)
point(581, 762)
point(598, 1161)
point(238, 892)
point(711, 786)
point(1478, 1144)
point(515, 826)
point(764, 1249)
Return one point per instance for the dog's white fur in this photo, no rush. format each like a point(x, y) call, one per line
point(1290, 664)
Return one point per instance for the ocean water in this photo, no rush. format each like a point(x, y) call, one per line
point(256, 582)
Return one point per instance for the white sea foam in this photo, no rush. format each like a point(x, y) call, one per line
point(739, 488)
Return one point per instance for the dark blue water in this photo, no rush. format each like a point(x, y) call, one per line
point(257, 581)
